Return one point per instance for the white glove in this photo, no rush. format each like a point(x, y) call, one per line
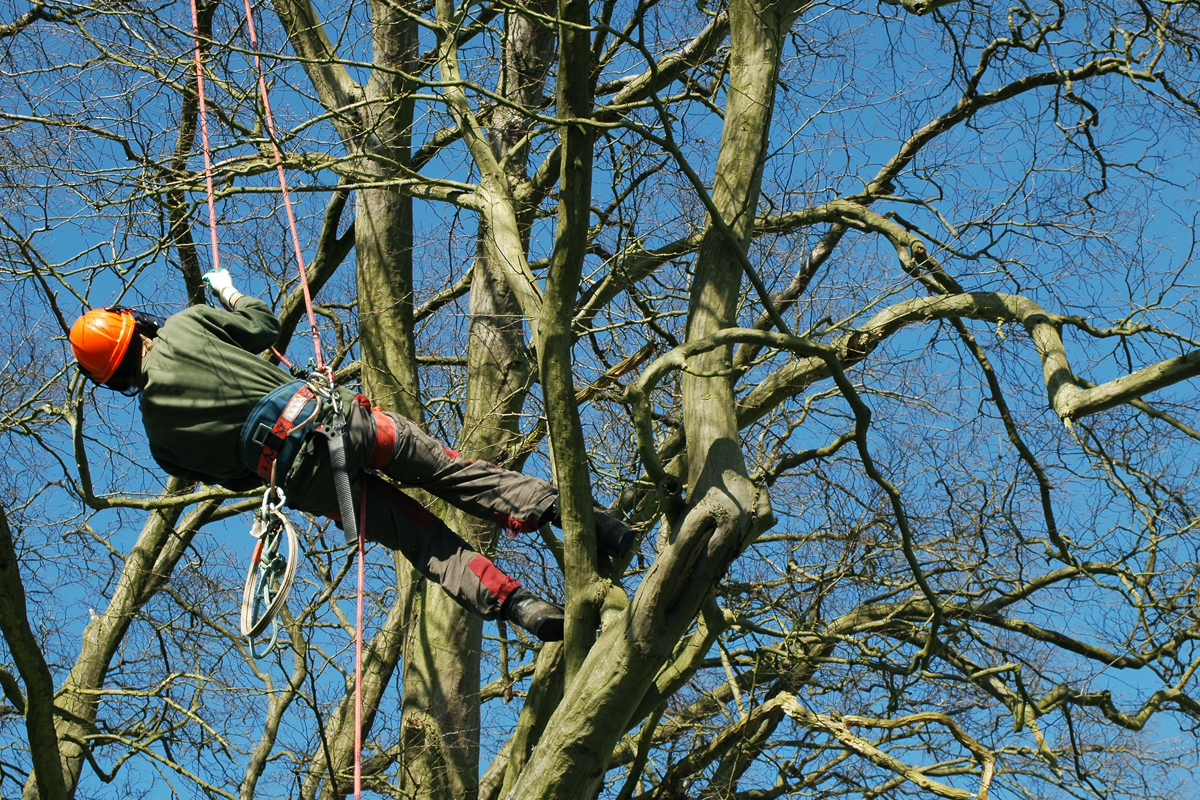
point(222, 284)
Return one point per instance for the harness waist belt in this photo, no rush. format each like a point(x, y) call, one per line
point(270, 435)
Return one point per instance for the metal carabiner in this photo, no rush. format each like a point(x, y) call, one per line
point(272, 491)
point(321, 383)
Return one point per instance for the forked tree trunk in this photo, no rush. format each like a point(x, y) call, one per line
point(725, 509)
point(442, 662)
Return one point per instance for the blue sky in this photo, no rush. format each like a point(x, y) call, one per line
point(858, 79)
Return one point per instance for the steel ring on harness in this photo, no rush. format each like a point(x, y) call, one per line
point(321, 384)
point(269, 577)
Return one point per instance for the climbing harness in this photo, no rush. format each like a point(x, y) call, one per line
point(268, 583)
point(270, 437)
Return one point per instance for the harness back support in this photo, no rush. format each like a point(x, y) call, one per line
point(272, 434)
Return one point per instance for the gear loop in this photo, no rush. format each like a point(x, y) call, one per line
point(269, 577)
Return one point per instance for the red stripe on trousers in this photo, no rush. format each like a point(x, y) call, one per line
point(489, 575)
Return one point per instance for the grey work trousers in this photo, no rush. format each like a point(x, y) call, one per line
point(402, 451)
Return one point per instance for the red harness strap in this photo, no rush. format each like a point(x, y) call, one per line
point(280, 430)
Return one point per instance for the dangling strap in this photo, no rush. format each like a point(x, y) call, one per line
point(358, 646)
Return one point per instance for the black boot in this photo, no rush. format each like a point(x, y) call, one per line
point(613, 536)
point(540, 617)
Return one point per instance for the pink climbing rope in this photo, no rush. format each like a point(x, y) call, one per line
point(208, 184)
point(358, 646)
point(269, 119)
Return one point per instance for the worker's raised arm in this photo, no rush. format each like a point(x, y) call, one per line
point(250, 322)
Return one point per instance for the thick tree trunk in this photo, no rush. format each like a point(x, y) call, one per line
point(440, 723)
point(383, 227)
point(384, 222)
point(725, 509)
point(442, 664)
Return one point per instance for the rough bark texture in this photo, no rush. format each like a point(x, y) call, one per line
point(556, 337)
point(384, 224)
point(725, 508)
point(727, 662)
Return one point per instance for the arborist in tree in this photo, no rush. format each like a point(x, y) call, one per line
point(215, 412)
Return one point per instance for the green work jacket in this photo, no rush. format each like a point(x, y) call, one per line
point(203, 377)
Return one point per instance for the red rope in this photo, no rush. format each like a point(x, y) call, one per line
point(312, 322)
point(269, 118)
point(208, 184)
point(358, 646)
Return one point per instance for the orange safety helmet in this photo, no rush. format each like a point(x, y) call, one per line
point(100, 339)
